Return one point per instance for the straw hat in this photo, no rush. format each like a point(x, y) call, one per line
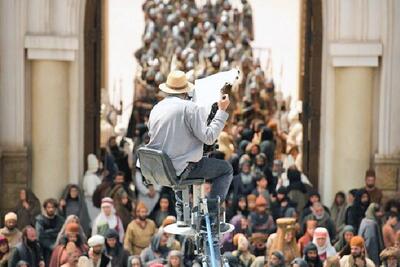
point(177, 83)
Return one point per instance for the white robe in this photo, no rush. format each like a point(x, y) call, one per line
point(90, 182)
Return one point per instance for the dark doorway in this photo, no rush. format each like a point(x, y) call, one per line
point(93, 61)
point(311, 86)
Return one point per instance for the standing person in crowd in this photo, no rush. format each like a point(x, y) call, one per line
point(97, 256)
point(27, 208)
point(307, 238)
point(390, 257)
point(107, 219)
point(313, 197)
point(238, 207)
point(175, 259)
point(374, 192)
point(134, 261)
point(4, 251)
point(10, 230)
point(260, 220)
point(139, 231)
point(72, 202)
point(162, 210)
point(261, 186)
point(276, 259)
point(388, 231)
point(296, 190)
point(338, 211)
point(62, 233)
point(60, 253)
point(358, 255)
point(48, 225)
point(157, 251)
point(73, 255)
point(371, 231)
point(147, 194)
point(90, 182)
point(310, 253)
point(323, 242)
point(243, 254)
point(342, 246)
point(119, 186)
point(123, 208)
point(243, 183)
point(114, 249)
point(356, 212)
point(323, 219)
point(28, 250)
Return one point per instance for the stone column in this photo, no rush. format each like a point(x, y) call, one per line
point(50, 127)
point(353, 126)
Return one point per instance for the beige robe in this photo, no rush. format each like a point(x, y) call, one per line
point(138, 238)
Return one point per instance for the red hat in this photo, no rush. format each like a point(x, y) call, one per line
point(261, 201)
point(140, 206)
point(357, 241)
point(72, 228)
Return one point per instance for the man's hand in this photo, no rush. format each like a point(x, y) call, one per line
point(224, 102)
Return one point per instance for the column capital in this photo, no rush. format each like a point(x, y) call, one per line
point(51, 47)
point(355, 54)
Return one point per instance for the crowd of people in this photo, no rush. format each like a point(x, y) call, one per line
point(114, 218)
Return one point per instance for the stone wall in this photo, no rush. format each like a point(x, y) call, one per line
point(388, 175)
point(14, 175)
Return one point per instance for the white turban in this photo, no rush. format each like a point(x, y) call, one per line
point(96, 240)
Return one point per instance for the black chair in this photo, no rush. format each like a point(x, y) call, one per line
point(157, 168)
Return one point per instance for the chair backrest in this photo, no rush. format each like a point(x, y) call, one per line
point(157, 167)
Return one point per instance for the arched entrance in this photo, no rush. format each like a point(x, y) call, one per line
point(310, 89)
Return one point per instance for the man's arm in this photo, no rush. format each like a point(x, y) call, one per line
point(197, 122)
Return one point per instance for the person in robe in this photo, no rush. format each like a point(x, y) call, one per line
point(27, 208)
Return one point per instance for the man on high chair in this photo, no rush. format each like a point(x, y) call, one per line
point(178, 127)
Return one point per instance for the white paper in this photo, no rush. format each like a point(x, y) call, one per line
point(207, 91)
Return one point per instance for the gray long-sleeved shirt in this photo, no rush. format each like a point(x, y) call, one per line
point(179, 128)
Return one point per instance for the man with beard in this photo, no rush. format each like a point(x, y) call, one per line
point(139, 231)
point(311, 255)
point(28, 250)
point(96, 252)
point(48, 225)
point(357, 256)
point(10, 231)
point(374, 192)
point(277, 259)
point(323, 219)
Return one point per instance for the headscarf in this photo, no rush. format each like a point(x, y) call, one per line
point(83, 210)
point(327, 247)
point(111, 233)
point(61, 234)
point(341, 243)
point(175, 253)
point(111, 220)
